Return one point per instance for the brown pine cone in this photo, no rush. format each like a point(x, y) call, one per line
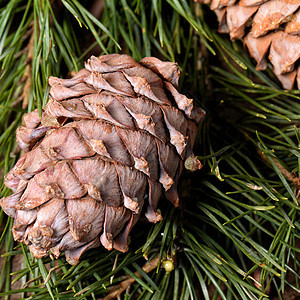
point(110, 141)
point(267, 27)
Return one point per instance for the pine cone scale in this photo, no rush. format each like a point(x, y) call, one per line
point(85, 217)
point(155, 192)
point(285, 51)
point(133, 185)
point(92, 173)
point(60, 92)
point(50, 226)
point(145, 159)
point(59, 144)
point(100, 131)
point(33, 196)
point(237, 18)
point(166, 70)
point(110, 63)
point(293, 27)
point(141, 112)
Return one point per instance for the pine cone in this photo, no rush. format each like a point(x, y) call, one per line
point(267, 27)
point(110, 141)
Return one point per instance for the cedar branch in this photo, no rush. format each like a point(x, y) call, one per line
point(117, 290)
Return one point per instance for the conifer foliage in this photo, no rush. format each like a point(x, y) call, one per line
point(235, 231)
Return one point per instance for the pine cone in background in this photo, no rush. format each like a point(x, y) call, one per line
point(268, 28)
point(110, 141)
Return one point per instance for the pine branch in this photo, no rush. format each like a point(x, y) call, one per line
point(238, 216)
point(116, 291)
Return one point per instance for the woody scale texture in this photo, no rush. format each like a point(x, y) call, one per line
point(109, 144)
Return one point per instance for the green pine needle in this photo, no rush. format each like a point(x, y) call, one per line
point(239, 215)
